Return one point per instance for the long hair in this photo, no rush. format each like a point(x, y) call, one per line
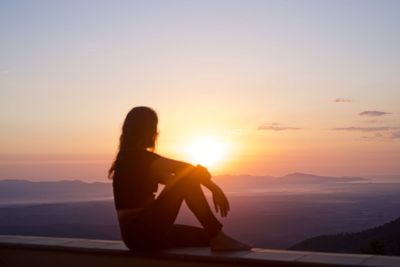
point(139, 131)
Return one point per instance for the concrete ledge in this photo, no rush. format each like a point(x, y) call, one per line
point(51, 251)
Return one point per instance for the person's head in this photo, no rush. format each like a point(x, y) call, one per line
point(139, 132)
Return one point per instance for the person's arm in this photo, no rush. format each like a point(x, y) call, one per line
point(167, 170)
point(221, 203)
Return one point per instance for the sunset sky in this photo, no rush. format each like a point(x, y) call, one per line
point(285, 86)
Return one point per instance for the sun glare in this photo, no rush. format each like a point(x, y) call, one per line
point(207, 151)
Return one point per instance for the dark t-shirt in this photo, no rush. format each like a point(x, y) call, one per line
point(133, 186)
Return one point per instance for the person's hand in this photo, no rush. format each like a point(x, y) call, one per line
point(202, 173)
point(221, 202)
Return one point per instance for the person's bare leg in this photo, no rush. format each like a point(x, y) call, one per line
point(223, 242)
point(190, 191)
point(197, 203)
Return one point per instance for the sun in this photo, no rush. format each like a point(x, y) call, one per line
point(207, 151)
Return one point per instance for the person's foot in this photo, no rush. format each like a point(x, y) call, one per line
point(223, 242)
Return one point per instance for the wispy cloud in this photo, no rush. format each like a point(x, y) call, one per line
point(342, 100)
point(375, 133)
point(395, 135)
point(276, 127)
point(373, 113)
point(388, 135)
point(366, 129)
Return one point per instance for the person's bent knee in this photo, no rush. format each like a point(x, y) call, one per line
point(189, 181)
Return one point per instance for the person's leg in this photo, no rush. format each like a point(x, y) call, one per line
point(198, 204)
point(186, 236)
point(177, 235)
point(147, 231)
point(167, 205)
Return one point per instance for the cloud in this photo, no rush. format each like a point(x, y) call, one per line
point(395, 135)
point(373, 113)
point(276, 127)
point(376, 133)
point(390, 135)
point(342, 100)
point(366, 129)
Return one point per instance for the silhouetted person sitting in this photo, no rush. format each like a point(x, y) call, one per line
point(147, 222)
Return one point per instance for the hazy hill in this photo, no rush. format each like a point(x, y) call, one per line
point(292, 178)
point(290, 183)
point(384, 239)
point(298, 177)
point(22, 191)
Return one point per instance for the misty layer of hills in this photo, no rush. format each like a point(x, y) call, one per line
point(22, 191)
point(270, 212)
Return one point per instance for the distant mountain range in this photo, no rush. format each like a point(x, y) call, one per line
point(23, 191)
point(383, 240)
point(290, 183)
point(249, 182)
point(296, 177)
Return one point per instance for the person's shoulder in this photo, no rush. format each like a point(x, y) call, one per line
point(151, 154)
